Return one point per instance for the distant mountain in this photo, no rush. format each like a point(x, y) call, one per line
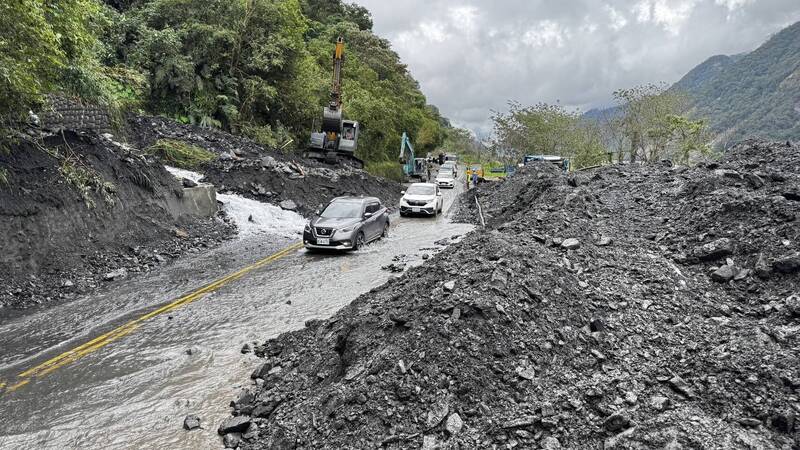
point(754, 94)
point(706, 72)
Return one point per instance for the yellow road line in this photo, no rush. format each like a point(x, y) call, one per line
point(18, 385)
point(117, 333)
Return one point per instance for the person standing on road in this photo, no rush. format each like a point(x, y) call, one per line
point(474, 178)
point(429, 171)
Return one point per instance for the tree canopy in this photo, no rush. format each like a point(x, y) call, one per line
point(258, 67)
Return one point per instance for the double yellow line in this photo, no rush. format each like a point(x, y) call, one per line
point(117, 333)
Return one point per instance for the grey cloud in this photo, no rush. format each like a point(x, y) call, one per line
point(473, 56)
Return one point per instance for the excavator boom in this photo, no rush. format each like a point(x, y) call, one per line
point(337, 141)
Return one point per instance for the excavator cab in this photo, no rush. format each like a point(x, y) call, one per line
point(348, 141)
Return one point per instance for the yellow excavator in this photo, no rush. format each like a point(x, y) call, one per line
point(337, 140)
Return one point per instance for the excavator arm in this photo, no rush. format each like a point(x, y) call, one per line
point(337, 140)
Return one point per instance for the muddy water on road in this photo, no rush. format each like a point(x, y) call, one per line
point(135, 392)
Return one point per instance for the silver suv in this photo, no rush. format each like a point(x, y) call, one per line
point(347, 223)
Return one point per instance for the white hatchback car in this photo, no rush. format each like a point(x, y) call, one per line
point(422, 198)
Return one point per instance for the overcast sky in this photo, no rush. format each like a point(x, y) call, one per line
point(472, 56)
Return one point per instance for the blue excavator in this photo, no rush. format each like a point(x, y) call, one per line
point(413, 168)
point(337, 140)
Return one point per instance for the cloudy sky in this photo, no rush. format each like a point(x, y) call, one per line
point(472, 56)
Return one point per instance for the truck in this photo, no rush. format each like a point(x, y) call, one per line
point(337, 139)
point(562, 162)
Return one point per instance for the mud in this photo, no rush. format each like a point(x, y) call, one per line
point(625, 307)
point(59, 243)
point(246, 168)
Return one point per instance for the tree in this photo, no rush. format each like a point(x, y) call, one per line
point(645, 119)
point(39, 42)
point(548, 129)
point(689, 137)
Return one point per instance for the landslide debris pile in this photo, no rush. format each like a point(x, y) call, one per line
point(627, 307)
point(81, 209)
point(248, 169)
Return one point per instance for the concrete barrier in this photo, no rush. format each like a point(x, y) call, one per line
point(199, 201)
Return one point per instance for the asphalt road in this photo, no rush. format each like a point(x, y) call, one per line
point(121, 369)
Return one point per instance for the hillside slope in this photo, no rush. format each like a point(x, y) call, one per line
point(751, 95)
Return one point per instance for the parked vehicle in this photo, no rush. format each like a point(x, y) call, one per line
point(446, 179)
point(422, 198)
point(562, 162)
point(347, 223)
point(451, 166)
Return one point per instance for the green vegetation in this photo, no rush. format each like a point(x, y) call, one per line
point(750, 95)
point(646, 126)
point(257, 67)
point(548, 129)
point(4, 177)
point(651, 125)
point(87, 182)
point(180, 154)
point(44, 46)
point(390, 170)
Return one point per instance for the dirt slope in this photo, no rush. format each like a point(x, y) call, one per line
point(58, 242)
point(627, 307)
point(248, 169)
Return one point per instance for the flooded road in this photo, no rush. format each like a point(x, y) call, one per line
point(141, 366)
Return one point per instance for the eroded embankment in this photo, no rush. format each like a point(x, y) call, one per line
point(244, 167)
point(625, 307)
point(81, 208)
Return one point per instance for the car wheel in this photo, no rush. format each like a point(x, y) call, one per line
point(360, 241)
point(385, 230)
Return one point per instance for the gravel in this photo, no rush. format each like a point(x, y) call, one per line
point(627, 345)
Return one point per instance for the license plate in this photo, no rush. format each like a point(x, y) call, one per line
point(416, 210)
point(323, 241)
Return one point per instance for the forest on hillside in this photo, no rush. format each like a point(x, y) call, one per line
point(256, 67)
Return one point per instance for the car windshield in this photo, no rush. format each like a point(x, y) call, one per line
point(445, 175)
point(420, 190)
point(342, 210)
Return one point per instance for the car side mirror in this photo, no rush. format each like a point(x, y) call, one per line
point(402, 192)
point(367, 215)
point(439, 194)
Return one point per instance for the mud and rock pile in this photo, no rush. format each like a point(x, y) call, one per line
point(295, 185)
point(625, 307)
point(81, 209)
point(246, 168)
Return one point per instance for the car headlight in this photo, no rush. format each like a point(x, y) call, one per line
point(308, 228)
point(347, 229)
point(403, 202)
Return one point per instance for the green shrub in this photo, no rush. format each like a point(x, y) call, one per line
point(180, 154)
point(4, 181)
point(386, 169)
point(273, 138)
point(87, 182)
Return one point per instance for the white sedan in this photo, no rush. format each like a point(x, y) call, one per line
point(445, 179)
